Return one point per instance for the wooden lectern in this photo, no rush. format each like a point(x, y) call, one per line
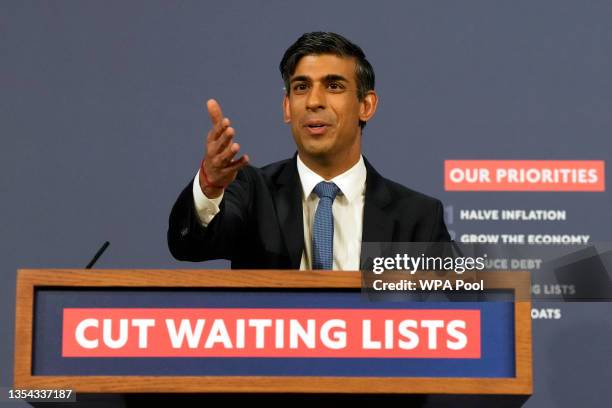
point(46, 358)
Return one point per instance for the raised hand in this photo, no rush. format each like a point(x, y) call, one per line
point(219, 168)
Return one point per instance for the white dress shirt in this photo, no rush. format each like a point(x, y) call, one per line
point(347, 210)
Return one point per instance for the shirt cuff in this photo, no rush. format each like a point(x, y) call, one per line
point(206, 207)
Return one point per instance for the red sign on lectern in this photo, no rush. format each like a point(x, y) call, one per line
point(278, 332)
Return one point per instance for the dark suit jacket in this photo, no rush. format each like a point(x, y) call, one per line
point(260, 223)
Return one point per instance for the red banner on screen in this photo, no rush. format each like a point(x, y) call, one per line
point(524, 175)
point(332, 333)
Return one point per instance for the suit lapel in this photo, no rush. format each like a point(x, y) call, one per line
point(377, 222)
point(288, 201)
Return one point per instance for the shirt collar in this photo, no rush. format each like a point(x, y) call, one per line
point(351, 182)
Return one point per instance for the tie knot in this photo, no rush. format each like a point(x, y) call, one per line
point(326, 189)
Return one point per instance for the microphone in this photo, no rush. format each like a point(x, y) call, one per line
point(97, 255)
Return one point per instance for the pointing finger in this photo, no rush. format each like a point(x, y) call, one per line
point(214, 111)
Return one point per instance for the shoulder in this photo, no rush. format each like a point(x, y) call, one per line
point(396, 194)
point(401, 193)
point(276, 169)
point(272, 173)
point(418, 217)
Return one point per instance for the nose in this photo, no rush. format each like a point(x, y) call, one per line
point(316, 98)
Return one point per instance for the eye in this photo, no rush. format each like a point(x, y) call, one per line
point(300, 87)
point(335, 86)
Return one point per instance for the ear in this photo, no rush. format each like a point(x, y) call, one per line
point(286, 109)
point(368, 106)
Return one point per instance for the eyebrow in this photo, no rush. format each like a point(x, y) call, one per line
point(328, 78)
point(335, 77)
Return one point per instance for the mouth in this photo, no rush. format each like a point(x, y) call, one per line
point(316, 127)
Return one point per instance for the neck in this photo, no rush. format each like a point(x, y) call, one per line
point(329, 168)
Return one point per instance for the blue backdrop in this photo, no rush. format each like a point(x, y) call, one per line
point(102, 124)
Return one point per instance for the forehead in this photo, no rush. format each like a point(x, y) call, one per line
point(320, 66)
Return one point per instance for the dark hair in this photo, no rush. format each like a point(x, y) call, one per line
point(319, 42)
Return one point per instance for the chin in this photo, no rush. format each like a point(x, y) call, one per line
point(317, 151)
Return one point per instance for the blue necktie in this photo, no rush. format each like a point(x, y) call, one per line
point(323, 226)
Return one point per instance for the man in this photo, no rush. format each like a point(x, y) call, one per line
point(312, 211)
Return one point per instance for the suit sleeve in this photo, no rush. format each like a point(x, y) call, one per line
point(439, 233)
point(189, 240)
